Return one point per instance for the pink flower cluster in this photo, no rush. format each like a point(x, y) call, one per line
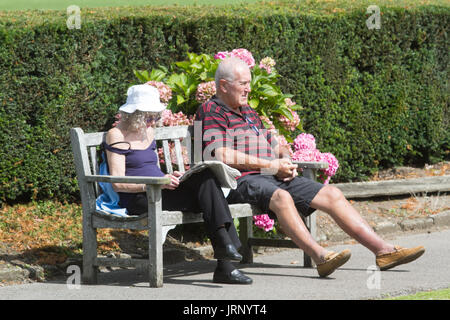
point(176, 119)
point(267, 63)
point(221, 55)
point(280, 138)
point(241, 53)
point(333, 164)
point(118, 116)
point(165, 93)
point(269, 122)
point(173, 155)
point(304, 141)
point(263, 222)
point(288, 123)
point(205, 91)
point(305, 150)
point(285, 121)
point(284, 144)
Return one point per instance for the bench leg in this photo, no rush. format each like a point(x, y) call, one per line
point(155, 250)
point(310, 222)
point(89, 275)
point(245, 233)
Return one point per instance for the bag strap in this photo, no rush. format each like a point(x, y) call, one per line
point(113, 144)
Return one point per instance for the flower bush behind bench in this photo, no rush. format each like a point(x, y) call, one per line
point(186, 84)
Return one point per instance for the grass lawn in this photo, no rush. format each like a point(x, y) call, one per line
point(307, 5)
point(443, 294)
point(63, 4)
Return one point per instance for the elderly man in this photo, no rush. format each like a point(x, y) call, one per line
point(234, 134)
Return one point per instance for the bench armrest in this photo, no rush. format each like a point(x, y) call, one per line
point(311, 165)
point(128, 179)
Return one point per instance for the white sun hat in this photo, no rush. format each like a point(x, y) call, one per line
point(142, 97)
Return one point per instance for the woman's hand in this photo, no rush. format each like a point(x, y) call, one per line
point(174, 180)
point(178, 174)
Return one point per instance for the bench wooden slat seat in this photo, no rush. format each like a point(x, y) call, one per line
point(85, 147)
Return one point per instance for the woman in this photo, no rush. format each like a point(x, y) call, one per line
point(130, 150)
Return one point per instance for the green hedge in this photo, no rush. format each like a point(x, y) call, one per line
point(374, 98)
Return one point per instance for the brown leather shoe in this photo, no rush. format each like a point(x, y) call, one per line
point(399, 256)
point(333, 260)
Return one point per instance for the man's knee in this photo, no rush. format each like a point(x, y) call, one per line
point(280, 199)
point(332, 194)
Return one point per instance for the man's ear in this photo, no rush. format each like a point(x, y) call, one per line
point(222, 86)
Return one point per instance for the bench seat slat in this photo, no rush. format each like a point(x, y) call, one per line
point(168, 218)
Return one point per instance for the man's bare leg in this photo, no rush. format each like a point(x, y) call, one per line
point(283, 206)
point(331, 200)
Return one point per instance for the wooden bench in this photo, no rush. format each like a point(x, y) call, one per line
point(85, 148)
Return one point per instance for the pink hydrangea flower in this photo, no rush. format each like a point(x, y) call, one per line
point(333, 163)
point(284, 144)
point(165, 93)
point(285, 121)
point(290, 124)
point(289, 102)
point(269, 122)
point(264, 222)
point(305, 141)
point(118, 116)
point(244, 55)
point(221, 55)
point(241, 53)
point(267, 63)
point(176, 119)
point(205, 91)
point(306, 155)
point(173, 155)
point(161, 156)
point(305, 150)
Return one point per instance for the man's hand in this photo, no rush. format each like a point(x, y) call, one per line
point(294, 174)
point(284, 169)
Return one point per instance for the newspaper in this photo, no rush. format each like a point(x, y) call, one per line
point(224, 173)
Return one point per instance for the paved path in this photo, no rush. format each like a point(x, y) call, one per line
point(276, 276)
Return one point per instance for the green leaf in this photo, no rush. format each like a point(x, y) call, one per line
point(268, 90)
point(180, 99)
point(190, 89)
point(183, 64)
point(253, 103)
point(157, 75)
point(196, 66)
point(203, 76)
point(296, 107)
point(142, 75)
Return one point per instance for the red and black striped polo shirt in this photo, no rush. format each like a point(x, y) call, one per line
point(223, 127)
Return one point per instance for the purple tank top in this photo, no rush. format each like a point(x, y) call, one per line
point(137, 163)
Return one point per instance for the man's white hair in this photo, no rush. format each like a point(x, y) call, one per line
point(226, 69)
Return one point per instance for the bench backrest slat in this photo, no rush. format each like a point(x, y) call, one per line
point(167, 157)
point(179, 155)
